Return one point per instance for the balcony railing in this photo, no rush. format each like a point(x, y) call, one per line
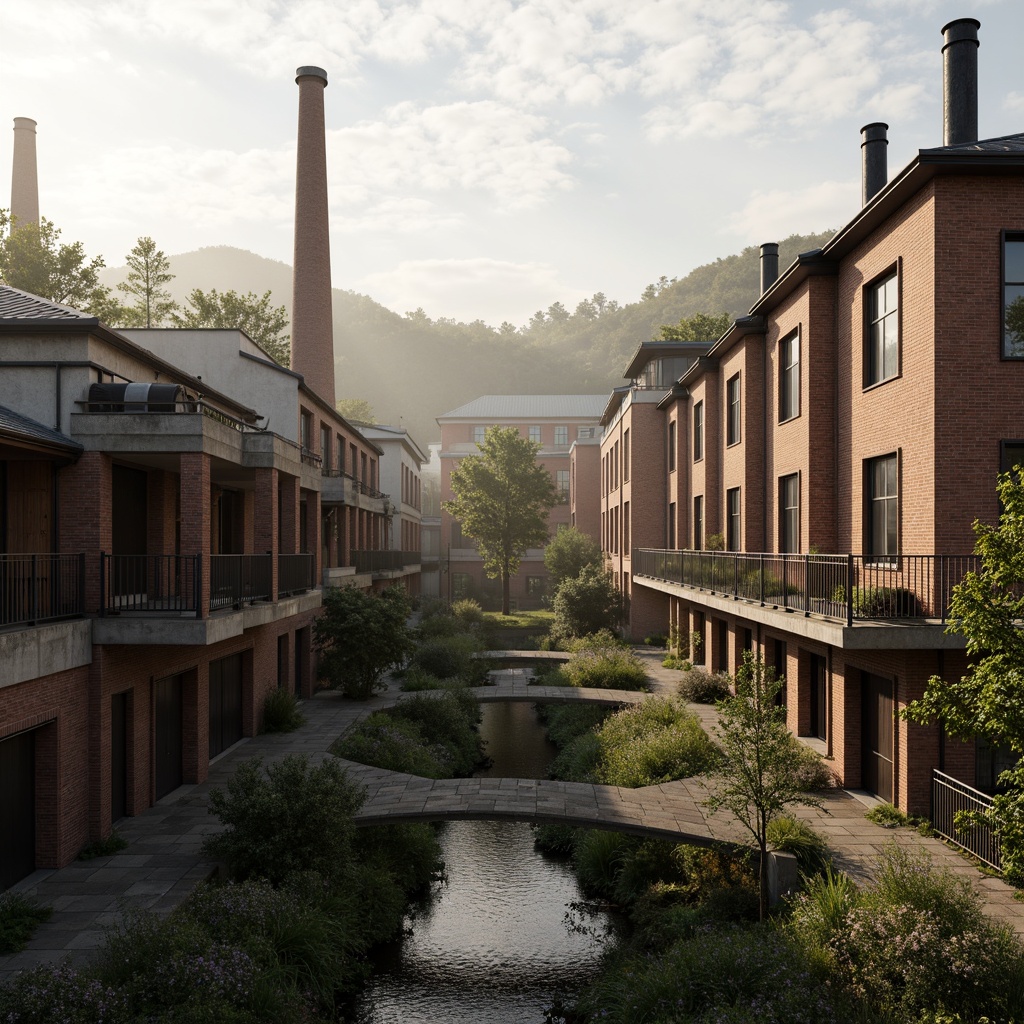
point(239, 579)
point(384, 561)
point(949, 797)
point(294, 574)
point(362, 488)
point(40, 588)
point(846, 587)
point(150, 583)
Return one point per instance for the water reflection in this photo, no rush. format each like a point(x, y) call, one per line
point(493, 947)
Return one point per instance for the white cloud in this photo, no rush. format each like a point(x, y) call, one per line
point(1014, 102)
point(780, 213)
point(469, 289)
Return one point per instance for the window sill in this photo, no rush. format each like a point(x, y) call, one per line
point(881, 383)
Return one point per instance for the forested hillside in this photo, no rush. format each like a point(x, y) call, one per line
point(412, 368)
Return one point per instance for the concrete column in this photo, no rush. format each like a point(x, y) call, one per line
point(24, 180)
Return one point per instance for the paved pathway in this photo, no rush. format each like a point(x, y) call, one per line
point(162, 863)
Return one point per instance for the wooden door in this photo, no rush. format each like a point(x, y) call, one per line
point(225, 703)
point(168, 753)
point(118, 756)
point(17, 808)
point(878, 736)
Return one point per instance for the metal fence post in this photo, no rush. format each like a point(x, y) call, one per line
point(849, 590)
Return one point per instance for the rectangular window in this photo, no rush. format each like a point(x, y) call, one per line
point(698, 431)
point(561, 435)
point(615, 466)
point(732, 519)
point(883, 341)
point(306, 430)
point(789, 377)
point(535, 435)
point(883, 508)
point(341, 452)
point(672, 446)
point(478, 434)
point(732, 410)
point(562, 484)
point(672, 524)
point(625, 457)
point(1011, 455)
point(584, 432)
point(698, 523)
point(462, 585)
point(536, 586)
point(789, 513)
point(1013, 296)
point(625, 527)
point(325, 447)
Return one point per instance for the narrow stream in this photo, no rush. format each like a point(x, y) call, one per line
point(492, 947)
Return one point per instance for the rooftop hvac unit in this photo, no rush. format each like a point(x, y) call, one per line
point(135, 397)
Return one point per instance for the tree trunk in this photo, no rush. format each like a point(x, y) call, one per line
point(762, 902)
point(505, 588)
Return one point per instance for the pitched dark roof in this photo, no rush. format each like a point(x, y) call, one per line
point(1002, 144)
point(524, 407)
point(20, 428)
point(18, 305)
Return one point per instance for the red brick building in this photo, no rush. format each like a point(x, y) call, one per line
point(817, 470)
point(556, 422)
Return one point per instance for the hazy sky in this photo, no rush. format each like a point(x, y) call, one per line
point(486, 157)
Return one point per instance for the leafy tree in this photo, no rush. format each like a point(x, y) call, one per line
point(502, 499)
point(568, 554)
point(699, 327)
point(360, 636)
point(585, 604)
point(33, 258)
point(987, 607)
point(761, 771)
point(357, 410)
point(265, 324)
point(148, 272)
point(1015, 325)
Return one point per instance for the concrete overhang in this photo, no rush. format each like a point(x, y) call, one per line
point(38, 651)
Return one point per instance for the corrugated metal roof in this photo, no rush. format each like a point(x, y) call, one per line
point(19, 305)
point(529, 407)
point(13, 424)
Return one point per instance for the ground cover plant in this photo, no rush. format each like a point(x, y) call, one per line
point(603, 667)
point(20, 915)
point(281, 712)
point(698, 686)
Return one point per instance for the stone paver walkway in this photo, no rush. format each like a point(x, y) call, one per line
point(163, 863)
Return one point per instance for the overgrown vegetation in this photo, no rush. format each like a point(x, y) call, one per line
point(698, 686)
point(281, 712)
point(585, 604)
point(20, 915)
point(106, 847)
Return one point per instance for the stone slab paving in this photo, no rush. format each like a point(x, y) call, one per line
point(163, 863)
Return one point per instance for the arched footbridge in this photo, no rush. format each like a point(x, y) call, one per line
point(672, 810)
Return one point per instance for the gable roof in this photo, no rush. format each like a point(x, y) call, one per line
point(28, 431)
point(20, 305)
point(529, 407)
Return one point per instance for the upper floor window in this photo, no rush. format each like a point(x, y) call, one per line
point(325, 446)
point(789, 377)
point(732, 410)
point(625, 457)
point(535, 435)
point(883, 333)
point(341, 452)
point(732, 519)
point(698, 523)
point(306, 429)
point(615, 466)
point(882, 513)
point(1013, 296)
point(671, 446)
point(698, 431)
point(478, 434)
point(789, 513)
point(584, 432)
point(562, 483)
point(671, 524)
point(561, 435)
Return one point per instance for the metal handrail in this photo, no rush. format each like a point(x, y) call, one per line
point(41, 587)
point(950, 796)
point(150, 583)
point(294, 574)
point(239, 579)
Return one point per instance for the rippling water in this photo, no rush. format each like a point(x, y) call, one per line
point(493, 947)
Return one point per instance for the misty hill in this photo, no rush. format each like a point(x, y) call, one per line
point(411, 368)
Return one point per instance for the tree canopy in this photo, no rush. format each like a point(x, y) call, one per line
point(502, 499)
point(568, 554)
point(33, 259)
point(585, 604)
point(265, 324)
point(699, 327)
point(355, 410)
point(148, 272)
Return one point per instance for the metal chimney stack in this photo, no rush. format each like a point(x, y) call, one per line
point(874, 165)
point(769, 265)
point(24, 180)
point(960, 82)
point(312, 319)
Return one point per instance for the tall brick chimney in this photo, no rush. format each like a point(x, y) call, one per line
point(24, 181)
point(312, 320)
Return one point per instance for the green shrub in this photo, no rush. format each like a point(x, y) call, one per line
point(602, 640)
point(699, 686)
point(596, 857)
point(676, 662)
point(446, 657)
point(449, 722)
point(813, 773)
point(438, 626)
point(555, 839)
point(656, 640)
point(790, 835)
point(609, 669)
point(579, 760)
point(281, 712)
point(288, 817)
point(821, 910)
point(46, 995)
point(106, 847)
point(879, 602)
point(468, 612)
point(564, 722)
point(585, 603)
point(20, 915)
point(887, 815)
point(410, 852)
point(415, 679)
point(397, 745)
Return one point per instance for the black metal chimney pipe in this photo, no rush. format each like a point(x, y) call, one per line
point(769, 265)
point(960, 82)
point(873, 162)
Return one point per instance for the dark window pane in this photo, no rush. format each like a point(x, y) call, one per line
point(1014, 262)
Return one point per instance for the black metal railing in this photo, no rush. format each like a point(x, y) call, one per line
point(362, 488)
point(384, 561)
point(844, 587)
point(951, 796)
point(310, 457)
point(294, 574)
point(239, 579)
point(41, 587)
point(150, 583)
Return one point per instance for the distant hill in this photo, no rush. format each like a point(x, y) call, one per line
point(412, 368)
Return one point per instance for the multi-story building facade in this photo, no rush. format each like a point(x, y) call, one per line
point(833, 448)
point(553, 421)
